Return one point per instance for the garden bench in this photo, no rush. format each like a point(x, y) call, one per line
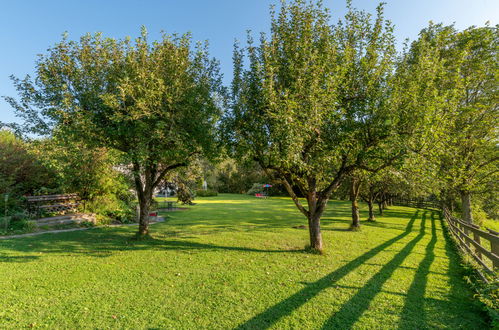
point(52, 203)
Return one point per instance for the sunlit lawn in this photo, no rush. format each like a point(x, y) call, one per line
point(235, 261)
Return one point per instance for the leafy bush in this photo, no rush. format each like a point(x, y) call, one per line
point(111, 208)
point(206, 193)
point(15, 204)
point(234, 176)
point(487, 294)
point(29, 226)
point(4, 224)
point(18, 223)
point(479, 216)
point(184, 194)
point(21, 169)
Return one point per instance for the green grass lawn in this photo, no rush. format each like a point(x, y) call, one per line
point(235, 261)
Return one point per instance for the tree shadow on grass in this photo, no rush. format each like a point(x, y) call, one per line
point(10, 259)
point(352, 310)
point(413, 313)
point(460, 296)
point(103, 243)
point(382, 224)
point(273, 314)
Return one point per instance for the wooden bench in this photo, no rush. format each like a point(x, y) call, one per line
point(52, 203)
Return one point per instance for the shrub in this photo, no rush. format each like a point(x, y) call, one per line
point(18, 222)
point(21, 169)
point(479, 216)
point(29, 226)
point(110, 208)
point(236, 176)
point(184, 194)
point(4, 224)
point(206, 193)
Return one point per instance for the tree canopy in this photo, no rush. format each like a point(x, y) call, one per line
point(315, 101)
point(156, 103)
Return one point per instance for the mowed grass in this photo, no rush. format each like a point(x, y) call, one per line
point(235, 261)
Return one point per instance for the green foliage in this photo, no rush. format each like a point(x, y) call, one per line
point(113, 208)
point(458, 148)
point(156, 103)
point(206, 193)
point(470, 152)
point(92, 174)
point(316, 102)
point(488, 294)
point(82, 169)
point(4, 224)
point(18, 223)
point(185, 195)
point(479, 216)
point(237, 176)
point(186, 180)
point(21, 171)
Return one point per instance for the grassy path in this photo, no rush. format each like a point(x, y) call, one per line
point(236, 262)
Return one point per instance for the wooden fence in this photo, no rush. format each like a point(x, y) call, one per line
point(481, 245)
point(417, 203)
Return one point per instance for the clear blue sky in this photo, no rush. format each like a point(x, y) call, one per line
point(29, 27)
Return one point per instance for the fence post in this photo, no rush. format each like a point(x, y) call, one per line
point(476, 238)
point(467, 234)
point(494, 248)
point(460, 233)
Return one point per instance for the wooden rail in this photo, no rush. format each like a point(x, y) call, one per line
point(45, 198)
point(417, 203)
point(52, 203)
point(471, 240)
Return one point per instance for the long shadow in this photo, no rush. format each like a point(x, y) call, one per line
point(460, 297)
point(17, 258)
point(273, 314)
point(353, 309)
point(414, 302)
point(102, 243)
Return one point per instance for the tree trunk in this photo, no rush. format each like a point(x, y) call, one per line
point(314, 221)
point(354, 192)
point(317, 202)
point(355, 216)
point(466, 206)
point(144, 193)
point(380, 207)
point(147, 177)
point(371, 210)
point(145, 205)
point(314, 228)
